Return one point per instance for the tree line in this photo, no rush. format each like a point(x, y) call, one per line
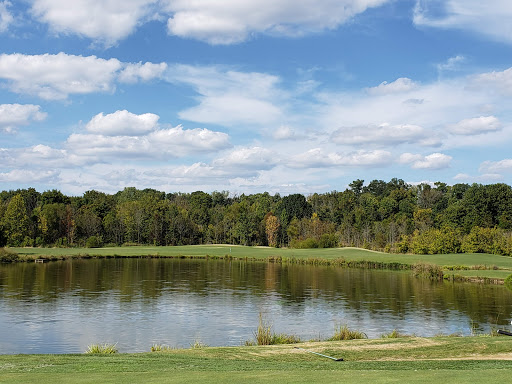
point(392, 216)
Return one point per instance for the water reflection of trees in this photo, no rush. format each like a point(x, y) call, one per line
point(374, 291)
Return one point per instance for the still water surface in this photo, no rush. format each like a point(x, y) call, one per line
point(61, 307)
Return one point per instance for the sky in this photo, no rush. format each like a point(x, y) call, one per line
point(250, 96)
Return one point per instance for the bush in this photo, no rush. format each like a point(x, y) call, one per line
point(342, 332)
point(7, 256)
point(508, 282)
point(103, 349)
point(94, 242)
point(429, 271)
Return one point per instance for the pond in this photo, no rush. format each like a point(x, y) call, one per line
point(62, 307)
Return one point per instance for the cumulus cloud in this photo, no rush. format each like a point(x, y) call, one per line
point(490, 18)
point(318, 158)
point(249, 158)
point(433, 161)
point(496, 81)
point(13, 116)
point(476, 126)
point(233, 21)
point(229, 97)
point(504, 165)
point(403, 84)
point(105, 20)
point(215, 22)
point(122, 123)
point(23, 176)
point(55, 77)
point(383, 134)
point(133, 73)
point(5, 16)
point(39, 156)
point(451, 64)
point(158, 144)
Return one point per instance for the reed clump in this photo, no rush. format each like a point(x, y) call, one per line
point(429, 271)
point(7, 256)
point(343, 332)
point(265, 336)
point(160, 348)
point(103, 349)
point(394, 334)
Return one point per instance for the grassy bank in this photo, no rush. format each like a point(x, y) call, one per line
point(412, 360)
point(476, 266)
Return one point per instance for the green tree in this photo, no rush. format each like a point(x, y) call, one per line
point(16, 222)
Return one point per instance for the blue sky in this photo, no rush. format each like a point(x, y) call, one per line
point(287, 96)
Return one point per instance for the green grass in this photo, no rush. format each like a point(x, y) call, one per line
point(102, 349)
point(411, 360)
point(504, 263)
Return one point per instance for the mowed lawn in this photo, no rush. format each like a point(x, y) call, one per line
point(503, 263)
point(480, 359)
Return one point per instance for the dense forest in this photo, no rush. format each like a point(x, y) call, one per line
point(391, 216)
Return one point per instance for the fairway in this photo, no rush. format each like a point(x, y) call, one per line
point(413, 360)
point(502, 263)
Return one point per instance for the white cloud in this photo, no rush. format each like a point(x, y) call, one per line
point(285, 132)
point(433, 161)
point(476, 126)
point(216, 22)
point(500, 81)
point(133, 73)
point(105, 20)
point(318, 158)
point(490, 18)
point(403, 84)
point(504, 165)
point(249, 158)
point(25, 176)
point(233, 21)
point(122, 123)
point(13, 116)
point(159, 144)
point(452, 64)
point(230, 97)
point(431, 106)
point(55, 77)
point(5, 16)
point(484, 178)
point(383, 134)
point(39, 156)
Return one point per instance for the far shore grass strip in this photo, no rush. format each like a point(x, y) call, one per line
point(464, 266)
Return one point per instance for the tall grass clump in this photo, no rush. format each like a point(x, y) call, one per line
point(103, 349)
point(265, 336)
point(428, 271)
point(342, 332)
point(160, 348)
point(394, 334)
point(199, 344)
point(7, 256)
point(508, 282)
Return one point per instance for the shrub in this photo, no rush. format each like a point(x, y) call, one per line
point(508, 282)
point(94, 242)
point(7, 256)
point(104, 349)
point(265, 336)
point(429, 271)
point(342, 332)
point(160, 348)
point(394, 334)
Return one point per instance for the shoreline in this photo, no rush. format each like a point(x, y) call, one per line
point(455, 267)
